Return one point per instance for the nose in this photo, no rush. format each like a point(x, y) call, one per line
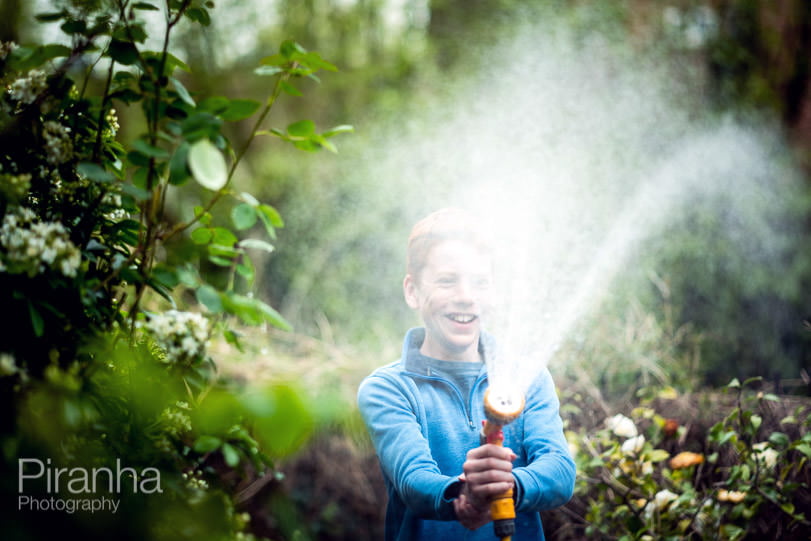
point(465, 292)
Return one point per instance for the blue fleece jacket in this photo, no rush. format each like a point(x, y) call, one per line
point(422, 428)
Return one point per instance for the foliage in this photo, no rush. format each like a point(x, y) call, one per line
point(642, 345)
point(114, 301)
point(746, 480)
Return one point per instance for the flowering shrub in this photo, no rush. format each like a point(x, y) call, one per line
point(182, 335)
point(635, 483)
point(104, 357)
point(33, 247)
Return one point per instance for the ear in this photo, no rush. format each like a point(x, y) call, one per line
point(410, 292)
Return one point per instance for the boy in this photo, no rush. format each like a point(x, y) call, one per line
point(424, 412)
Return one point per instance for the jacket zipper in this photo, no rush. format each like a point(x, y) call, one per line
point(467, 409)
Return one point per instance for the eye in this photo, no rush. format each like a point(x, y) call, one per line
point(481, 282)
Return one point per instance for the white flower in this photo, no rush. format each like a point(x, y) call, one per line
point(58, 146)
point(175, 421)
point(26, 89)
point(663, 498)
point(182, 335)
point(32, 247)
point(111, 118)
point(660, 501)
point(8, 365)
point(765, 454)
point(622, 426)
point(6, 47)
point(633, 446)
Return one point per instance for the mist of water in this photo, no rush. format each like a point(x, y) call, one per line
point(574, 153)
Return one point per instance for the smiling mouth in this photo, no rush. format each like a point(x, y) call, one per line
point(462, 318)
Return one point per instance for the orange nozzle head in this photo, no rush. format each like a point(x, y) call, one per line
point(502, 406)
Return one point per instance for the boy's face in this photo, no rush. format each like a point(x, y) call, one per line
point(451, 293)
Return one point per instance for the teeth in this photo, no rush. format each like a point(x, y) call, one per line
point(462, 318)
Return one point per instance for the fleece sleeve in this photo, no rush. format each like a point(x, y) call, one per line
point(403, 450)
point(548, 479)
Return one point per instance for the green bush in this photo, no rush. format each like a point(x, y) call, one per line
point(114, 301)
point(642, 477)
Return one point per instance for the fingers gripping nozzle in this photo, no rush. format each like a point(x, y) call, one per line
point(501, 408)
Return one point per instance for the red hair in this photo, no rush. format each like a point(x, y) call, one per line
point(439, 226)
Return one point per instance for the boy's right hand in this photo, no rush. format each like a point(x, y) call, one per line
point(487, 473)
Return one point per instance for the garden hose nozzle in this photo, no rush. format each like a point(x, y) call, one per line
point(501, 407)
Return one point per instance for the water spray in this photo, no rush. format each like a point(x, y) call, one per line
point(501, 407)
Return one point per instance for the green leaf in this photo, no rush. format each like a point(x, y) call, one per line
point(273, 317)
point(343, 128)
point(272, 215)
point(243, 216)
point(224, 236)
point(210, 298)
point(224, 251)
point(166, 276)
point(188, 277)
point(207, 444)
point(51, 51)
point(202, 235)
point(201, 125)
point(215, 105)
point(135, 192)
point(207, 165)
point(95, 172)
point(134, 32)
point(253, 311)
point(324, 143)
point(220, 261)
point(290, 49)
point(37, 323)
point(240, 109)
point(198, 14)
point(50, 17)
point(734, 384)
point(287, 88)
point(150, 151)
point(302, 128)
point(256, 244)
point(246, 269)
point(249, 198)
point(779, 439)
point(182, 92)
point(159, 287)
point(203, 216)
point(123, 52)
point(282, 421)
point(268, 71)
point(74, 26)
point(230, 455)
point(173, 62)
point(273, 60)
point(756, 421)
point(314, 60)
point(178, 169)
point(145, 6)
point(804, 448)
point(232, 337)
point(788, 507)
